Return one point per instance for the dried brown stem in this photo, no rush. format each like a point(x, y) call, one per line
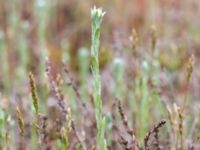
point(77, 135)
point(55, 89)
point(154, 131)
point(124, 117)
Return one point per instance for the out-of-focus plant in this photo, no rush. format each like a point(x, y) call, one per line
point(154, 73)
point(2, 129)
point(35, 102)
point(4, 64)
point(118, 77)
point(23, 49)
point(33, 93)
point(21, 127)
point(143, 93)
point(84, 67)
point(66, 130)
point(41, 8)
point(97, 16)
point(149, 97)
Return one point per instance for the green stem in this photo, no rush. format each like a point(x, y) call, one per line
point(97, 15)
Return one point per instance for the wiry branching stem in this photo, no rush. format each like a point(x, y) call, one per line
point(154, 131)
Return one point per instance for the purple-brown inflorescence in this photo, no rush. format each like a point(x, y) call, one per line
point(154, 131)
point(55, 89)
point(133, 144)
point(124, 117)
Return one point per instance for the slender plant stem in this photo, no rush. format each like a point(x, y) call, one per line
point(97, 16)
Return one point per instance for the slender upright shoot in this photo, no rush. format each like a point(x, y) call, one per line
point(33, 93)
point(97, 16)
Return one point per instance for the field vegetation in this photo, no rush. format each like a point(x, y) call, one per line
point(99, 75)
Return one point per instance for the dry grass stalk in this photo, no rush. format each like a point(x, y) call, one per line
point(134, 41)
point(180, 127)
point(77, 136)
point(68, 121)
point(171, 120)
point(124, 118)
point(65, 131)
point(55, 89)
point(43, 132)
point(66, 110)
point(22, 128)
point(153, 30)
point(133, 145)
point(189, 70)
point(20, 122)
point(93, 147)
point(154, 131)
point(125, 143)
point(129, 145)
point(190, 66)
point(33, 92)
point(7, 140)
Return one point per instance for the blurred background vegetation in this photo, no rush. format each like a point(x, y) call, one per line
point(29, 30)
point(61, 29)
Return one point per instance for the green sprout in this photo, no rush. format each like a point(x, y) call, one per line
point(84, 67)
point(97, 16)
point(118, 77)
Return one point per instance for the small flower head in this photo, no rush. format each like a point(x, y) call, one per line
point(97, 16)
point(97, 12)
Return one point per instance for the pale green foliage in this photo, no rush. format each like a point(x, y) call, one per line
point(2, 129)
point(84, 67)
point(118, 75)
point(97, 16)
point(144, 94)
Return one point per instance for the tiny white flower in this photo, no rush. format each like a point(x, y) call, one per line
point(97, 11)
